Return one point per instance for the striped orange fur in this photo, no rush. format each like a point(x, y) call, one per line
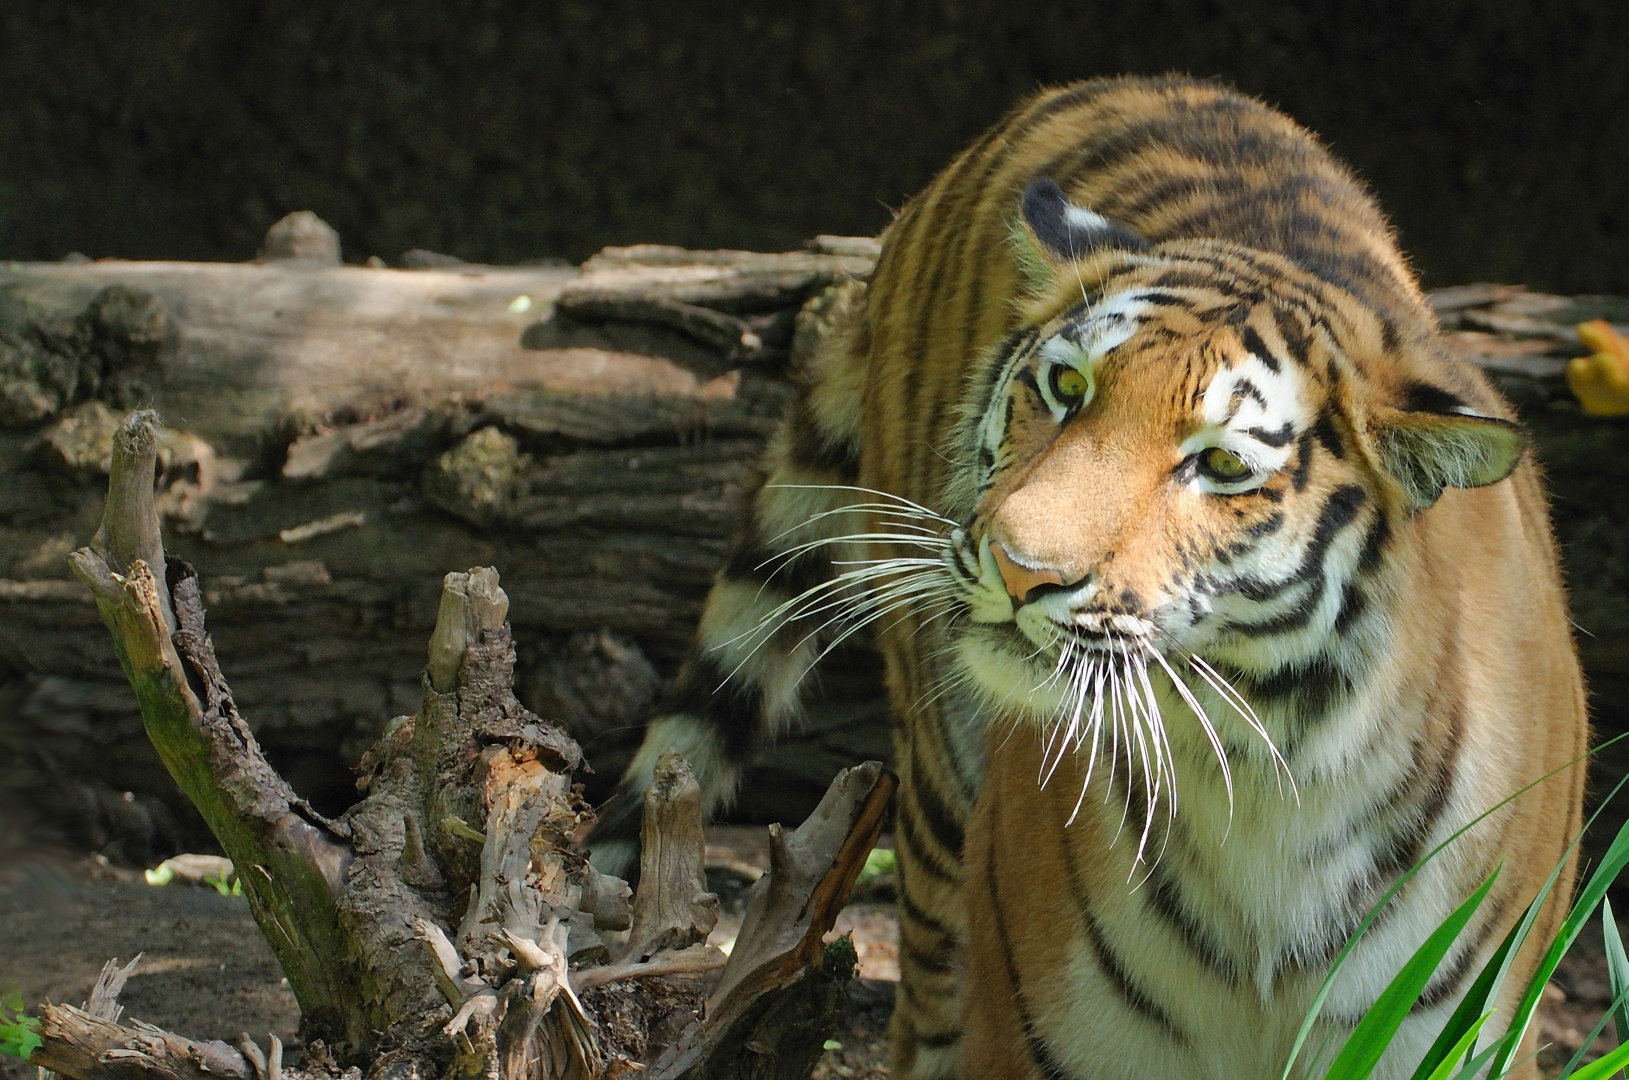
point(1213, 589)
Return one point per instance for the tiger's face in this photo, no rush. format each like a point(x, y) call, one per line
point(1177, 464)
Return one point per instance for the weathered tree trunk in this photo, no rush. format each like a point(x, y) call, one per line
point(450, 920)
point(342, 437)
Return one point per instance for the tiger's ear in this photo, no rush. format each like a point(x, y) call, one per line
point(1055, 232)
point(1437, 442)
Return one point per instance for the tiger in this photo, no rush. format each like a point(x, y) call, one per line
point(1214, 590)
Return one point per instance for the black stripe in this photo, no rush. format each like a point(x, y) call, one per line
point(1253, 344)
point(1241, 265)
point(924, 859)
point(1176, 129)
point(1303, 464)
point(1014, 344)
point(1267, 526)
point(1446, 982)
point(1141, 194)
point(942, 961)
point(1164, 299)
point(1314, 688)
point(967, 774)
point(1374, 544)
point(1405, 846)
point(1328, 253)
point(1493, 919)
point(1165, 899)
point(811, 450)
point(1254, 588)
point(705, 689)
point(1391, 335)
point(1245, 389)
point(1339, 511)
point(1135, 997)
point(1281, 437)
point(1328, 435)
point(916, 915)
point(795, 574)
point(1423, 397)
point(1295, 337)
point(1353, 604)
point(1188, 278)
point(941, 822)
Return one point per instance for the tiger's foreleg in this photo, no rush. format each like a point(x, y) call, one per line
point(772, 608)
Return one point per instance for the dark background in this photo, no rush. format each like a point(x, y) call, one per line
point(1495, 133)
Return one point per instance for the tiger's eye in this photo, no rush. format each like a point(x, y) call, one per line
point(1223, 465)
point(1068, 384)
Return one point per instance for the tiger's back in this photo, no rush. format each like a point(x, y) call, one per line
point(1029, 442)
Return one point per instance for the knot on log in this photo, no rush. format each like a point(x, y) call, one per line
point(110, 349)
point(301, 236)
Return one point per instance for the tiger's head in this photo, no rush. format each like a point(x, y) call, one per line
point(1192, 457)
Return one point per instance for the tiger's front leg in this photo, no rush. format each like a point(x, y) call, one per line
point(926, 1030)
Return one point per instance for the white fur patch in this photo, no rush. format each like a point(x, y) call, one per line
point(1081, 218)
point(1109, 323)
point(1005, 682)
point(1250, 396)
point(736, 632)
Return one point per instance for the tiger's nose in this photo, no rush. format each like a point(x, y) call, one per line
point(1024, 582)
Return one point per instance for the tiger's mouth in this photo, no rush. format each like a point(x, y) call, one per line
point(1105, 687)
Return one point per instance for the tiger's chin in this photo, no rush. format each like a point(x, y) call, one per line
point(1011, 674)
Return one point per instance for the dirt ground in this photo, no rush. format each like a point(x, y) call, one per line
point(207, 973)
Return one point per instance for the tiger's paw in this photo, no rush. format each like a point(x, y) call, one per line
point(1600, 381)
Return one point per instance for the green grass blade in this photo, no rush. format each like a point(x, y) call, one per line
point(1316, 1007)
point(1589, 1040)
point(1375, 1031)
point(1474, 1066)
point(1491, 979)
point(1616, 857)
point(1459, 1049)
point(1604, 1067)
point(1617, 968)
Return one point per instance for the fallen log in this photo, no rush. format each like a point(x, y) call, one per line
point(341, 437)
point(449, 922)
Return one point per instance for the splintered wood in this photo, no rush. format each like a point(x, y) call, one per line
point(449, 923)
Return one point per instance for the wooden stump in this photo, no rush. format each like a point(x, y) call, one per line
point(449, 923)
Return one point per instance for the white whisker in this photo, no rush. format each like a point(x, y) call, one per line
point(897, 499)
point(1228, 694)
point(1199, 713)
